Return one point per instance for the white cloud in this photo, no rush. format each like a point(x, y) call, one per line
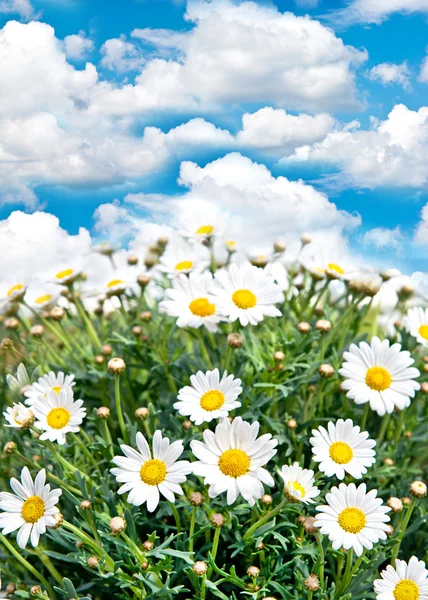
point(392, 153)
point(161, 38)
point(382, 238)
point(276, 129)
point(376, 11)
point(390, 73)
point(423, 76)
point(120, 55)
point(23, 8)
point(306, 3)
point(421, 233)
point(77, 46)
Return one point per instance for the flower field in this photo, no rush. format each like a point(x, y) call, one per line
point(206, 427)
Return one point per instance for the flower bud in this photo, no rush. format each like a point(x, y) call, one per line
point(306, 239)
point(388, 462)
point(291, 423)
point(395, 504)
point(326, 371)
point(408, 434)
point(132, 260)
point(6, 344)
point(143, 280)
point(142, 412)
point(418, 489)
point(390, 529)
point(323, 325)
point(11, 323)
point(186, 424)
point(312, 388)
point(218, 520)
point(146, 316)
point(57, 313)
point(137, 330)
point(196, 498)
point(266, 499)
point(278, 356)
point(235, 340)
point(117, 525)
point(200, 567)
point(163, 241)
point(406, 500)
point(116, 366)
point(35, 590)
point(99, 359)
point(59, 518)
point(309, 525)
point(103, 412)
point(9, 447)
point(148, 545)
point(106, 350)
point(312, 583)
point(93, 562)
point(85, 505)
point(144, 565)
point(37, 331)
point(303, 327)
point(279, 246)
point(10, 589)
point(424, 387)
point(253, 571)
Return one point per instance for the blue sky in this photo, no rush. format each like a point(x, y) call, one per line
point(391, 202)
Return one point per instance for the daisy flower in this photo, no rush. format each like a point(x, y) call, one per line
point(380, 374)
point(191, 300)
point(16, 292)
point(416, 323)
point(19, 416)
point(49, 382)
point(181, 258)
point(408, 581)
point(144, 477)
point(299, 483)
point(344, 448)
point(58, 414)
point(353, 517)
point(247, 293)
point(231, 460)
point(208, 397)
point(22, 380)
point(30, 509)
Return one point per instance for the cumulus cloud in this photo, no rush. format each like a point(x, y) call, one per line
point(120, 55)
point(376, 11)
point(23, 8)
point(421, 233)
point(77, 46)
point(393, 152)
point(390, 73)
point(423, 75)
point(382, 238)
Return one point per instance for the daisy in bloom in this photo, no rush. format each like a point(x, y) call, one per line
point(19, 416)
point(408, 581)
point(416, 323)
point(232, 458)
point(68, 273)
point(353, 517)
point(191, 300)
point(380, 374)
point(16, 292)
point(208, 397)
point(247, 293)
point(144, 477)
point(49, 382)
point(30, 509)
point(22, 380)
point(183, 258)
point(344, 448)
point(299, 483)
point(58, 414)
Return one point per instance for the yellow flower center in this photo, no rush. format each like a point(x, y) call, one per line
point(406, 589)
point(230, 243)
point(64, 274)
point(341, 453)
point(244, 299)
point(352, 520)
point(43, 299)
point(205, 230)
point(16, 288)
point(234, 463)
point(423, 331)
point(298, 488)
point(184, 265)
point(58, 418)
point(336, 268)
point(201, 307)
point(115, 282)
point(56, 389)
point(153, 472)
point(378, 378)
point(212, 400)
point(32, 509)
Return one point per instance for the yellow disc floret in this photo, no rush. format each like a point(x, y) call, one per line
point(184, 265)
point(205, 230)
point(33, 509)
point(43, 299)
point(153, 472)
point(423, 331)
point(64, 274)
point(244, 299)
point(341, 453)
point(16, 288)
point(406, 589)
point(234, 463)
point(352, 520)
point(58, 418)
point(212, 400)
point(378, 378)
point(201, 307)
point(336, 268)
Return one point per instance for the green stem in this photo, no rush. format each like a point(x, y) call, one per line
point(403, 530)
point(50, 475)
point(398, 428)
point(203, 348)
point(119, 409)
point(214, 549)
point(383, 428)
point(348, 568)
point(107, 437)
point(28, 566)
point(365, 415)
point(176, 516)
point(46, 561)
point(192, 528)
point(84, 449)
point(321, 551)
point(265, 518)
point(109, 562)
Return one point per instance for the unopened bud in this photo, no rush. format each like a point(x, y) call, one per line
point(35, 590)
point(395, 504)
point(9, 448)
point(196, 498)
point(291, 423)
point(117, 525)
point(200, 567)
point(106, 350)
point(148, 545)
point(11, 323)
point(137, 330)
point(103, 412)
point(309, 525)
point(146, 315)
point(6, 344)
point(116, 366)
point(266, 499)
point(37, 330)
point(323, 325)
point(235, 340)
point(218, 520)
point(312, 583)
point(10, 589)
point(59, 519)
point(143, 280)
point(186, 425)
point(278, 356)
point(418, 489)
point(99, 359)
point(406, 500)
point(388, 462)
point(85, 505)
point(326, 370)
point(253, 571)
point(142, 412)
point(390, 529)
point(312, 388)
point(132, 260)
point(57, 313)
point(408, 434)
point(424, 387)
point(279, 246)
point(306, 239)
point(303, 327)
point(93, 562)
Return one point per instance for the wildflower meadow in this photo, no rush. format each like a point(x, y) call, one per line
point(213, 426)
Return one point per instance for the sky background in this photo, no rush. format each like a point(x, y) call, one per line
point(102, 107)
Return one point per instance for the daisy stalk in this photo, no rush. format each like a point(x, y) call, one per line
point(265, 519)
point(119, 412)
point(403, 528)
